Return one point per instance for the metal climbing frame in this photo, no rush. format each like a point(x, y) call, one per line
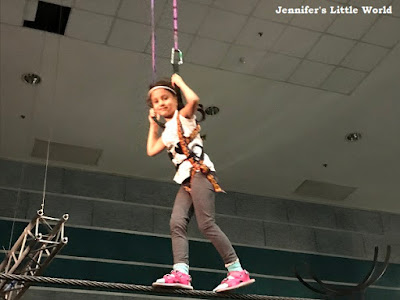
point(36, 247)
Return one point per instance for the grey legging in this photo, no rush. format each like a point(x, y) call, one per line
point(201, 200)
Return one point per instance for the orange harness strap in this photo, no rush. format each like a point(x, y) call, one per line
point(197, 165)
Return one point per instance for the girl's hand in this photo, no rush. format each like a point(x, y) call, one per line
point(152, 114)
point(176, 80)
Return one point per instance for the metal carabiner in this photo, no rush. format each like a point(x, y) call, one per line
point(180, 56)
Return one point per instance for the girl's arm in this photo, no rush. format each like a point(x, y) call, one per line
point(191, 97)
point(154, 143)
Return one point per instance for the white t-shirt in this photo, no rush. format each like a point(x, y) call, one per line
point(170, 139)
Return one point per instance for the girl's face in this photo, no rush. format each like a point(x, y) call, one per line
point(164, 103)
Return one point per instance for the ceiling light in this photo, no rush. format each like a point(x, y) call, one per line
point(31, 78)
point(353, 137)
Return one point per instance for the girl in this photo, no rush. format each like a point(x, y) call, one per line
point(196, 174)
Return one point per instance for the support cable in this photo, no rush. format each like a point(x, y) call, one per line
point(52, 104)
point(333, 290)
point(139, 288)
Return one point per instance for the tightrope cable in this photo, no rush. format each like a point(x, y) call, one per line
point(139, 288)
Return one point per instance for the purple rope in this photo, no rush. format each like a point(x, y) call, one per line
point(175, 11)
point(153, 43)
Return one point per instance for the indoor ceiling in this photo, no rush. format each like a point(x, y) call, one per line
point(289, 87)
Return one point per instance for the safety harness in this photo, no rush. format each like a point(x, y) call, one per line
point(196, 161)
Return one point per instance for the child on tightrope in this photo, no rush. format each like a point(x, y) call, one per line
point(196, 174)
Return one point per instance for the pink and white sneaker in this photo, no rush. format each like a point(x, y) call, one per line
point(175, 279)
point(235, 280)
